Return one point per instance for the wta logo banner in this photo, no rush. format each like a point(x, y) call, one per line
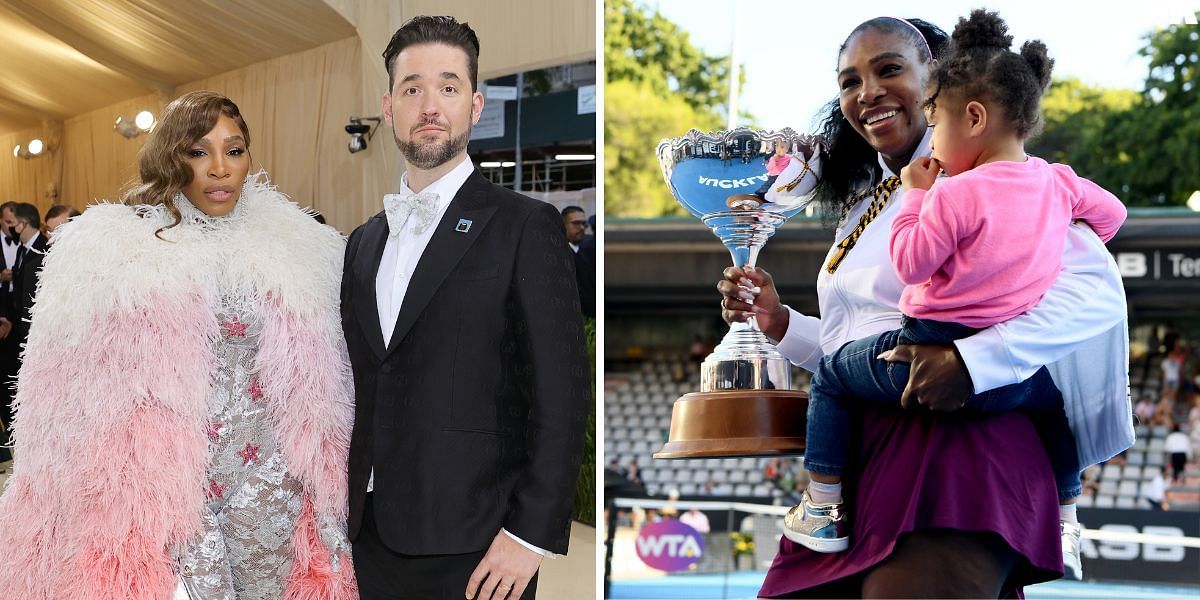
point(669, 545)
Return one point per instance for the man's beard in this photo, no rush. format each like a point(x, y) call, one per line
point(429, 155)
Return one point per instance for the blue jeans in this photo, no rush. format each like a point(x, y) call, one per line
point(853, 374)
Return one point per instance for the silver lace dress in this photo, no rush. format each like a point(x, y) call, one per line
point(253, 502)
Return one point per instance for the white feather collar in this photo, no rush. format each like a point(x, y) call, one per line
point(109, 259)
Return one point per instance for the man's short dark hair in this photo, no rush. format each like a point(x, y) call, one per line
point(10, 205)
point(28, 213)
point(434, 30)
point(59, 210)
point(571, 209)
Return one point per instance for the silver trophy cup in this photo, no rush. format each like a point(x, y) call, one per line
point(745, 405)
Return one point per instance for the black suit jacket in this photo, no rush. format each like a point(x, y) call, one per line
point(25, 278)
point(473, 413)
point(585, 274)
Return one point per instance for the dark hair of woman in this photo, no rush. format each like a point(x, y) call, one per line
point(980, 66)
point(162, 162)
point(850, 162)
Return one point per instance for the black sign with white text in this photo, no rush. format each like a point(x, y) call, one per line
point(1159, 265)
point(1125, 561)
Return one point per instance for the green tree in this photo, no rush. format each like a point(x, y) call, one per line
point(644, 47)
point(658, 85)
point(1141, 146)
point(1074, 114)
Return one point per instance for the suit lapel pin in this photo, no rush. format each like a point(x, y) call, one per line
point(464, 225)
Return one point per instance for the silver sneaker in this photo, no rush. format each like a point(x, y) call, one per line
point(818, 527)
point(1072, 565)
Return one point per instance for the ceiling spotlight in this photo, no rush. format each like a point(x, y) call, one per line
point(144, 120)
point(17, 151)
point(360, 133)
point(35, 147)
point(131, 128)
point(574, 157)
point(128, 129)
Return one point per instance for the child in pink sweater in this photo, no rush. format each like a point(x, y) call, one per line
point(974, 249)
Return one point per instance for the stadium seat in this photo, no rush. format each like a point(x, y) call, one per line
point(1128, 489)
point(1111, 471)
point(1126, 502)
point(1105, 502)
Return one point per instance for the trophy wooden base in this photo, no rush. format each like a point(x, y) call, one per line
point(737, 423)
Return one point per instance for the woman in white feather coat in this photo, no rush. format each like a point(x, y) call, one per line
point(184, 409)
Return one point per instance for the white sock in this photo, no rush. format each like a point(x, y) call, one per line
point(1066, 512)
point(825, 493)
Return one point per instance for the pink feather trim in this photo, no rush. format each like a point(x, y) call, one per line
point(312, 576)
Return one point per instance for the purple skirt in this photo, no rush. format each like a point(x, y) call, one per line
point(924, 470)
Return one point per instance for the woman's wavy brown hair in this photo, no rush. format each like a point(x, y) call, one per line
point(162, 162)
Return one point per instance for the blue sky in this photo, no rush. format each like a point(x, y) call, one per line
point(789, 48)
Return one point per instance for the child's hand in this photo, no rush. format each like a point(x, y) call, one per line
point(920, 173)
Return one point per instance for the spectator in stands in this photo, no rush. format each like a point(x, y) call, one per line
point(1155, 490)
point(696, 520)
point(697, 351)
point(57, 215)
point(1172, 370)
point(1163, 410)
point(1179, 451)
point(631, 473)
point(1145, 408)
point(771, 471)
point(708, 488)
point(921, 454)
point(670, 511)
point(615, 465)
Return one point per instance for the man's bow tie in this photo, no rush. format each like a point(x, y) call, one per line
point(422, 207)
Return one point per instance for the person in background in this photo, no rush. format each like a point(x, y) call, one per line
point(696, 520)
point(1179, 452)
point(57, 215)
point(1155, 490)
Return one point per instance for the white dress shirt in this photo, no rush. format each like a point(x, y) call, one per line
point(29, 245)
point(404, 249)
point(401, 254)
point(1078, 330)
point(10, 256)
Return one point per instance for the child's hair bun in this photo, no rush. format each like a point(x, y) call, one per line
point(982, 29)
point(1034, 52)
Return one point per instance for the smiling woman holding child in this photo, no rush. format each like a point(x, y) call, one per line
point(984, 283)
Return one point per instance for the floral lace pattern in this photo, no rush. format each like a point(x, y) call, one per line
point(253, 502)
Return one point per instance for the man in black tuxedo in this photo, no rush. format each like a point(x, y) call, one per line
point(470, 371)
point(25, 270)
point(9, 244)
